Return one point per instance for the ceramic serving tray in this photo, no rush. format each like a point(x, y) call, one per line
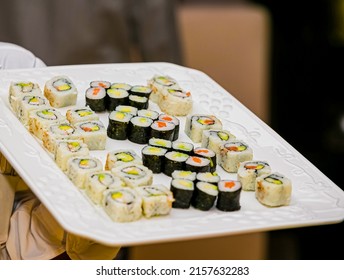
point(315, 199)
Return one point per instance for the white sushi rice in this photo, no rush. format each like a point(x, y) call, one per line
point(27, 103)
point(119, 157)
point(93, 133)
point(81, 114)
point(134, 174)
point(20, 88)
point(213, 139)
point(248, 172)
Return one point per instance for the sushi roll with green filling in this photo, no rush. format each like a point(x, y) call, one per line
point(116, 97)
point(148, 113)
point(123, 205)
point(174, 161)
point(273, 189)
point(120, 157)
point(249, 171)
point(127, 109)
point(65, 149)
point(207, 153)
point(60, 91)
point(162, 143)
point(196, 124)
point(197, 164)
point(124, 86)
point(96, 98)
point(143, 91)
point(133, 174)
point(182, 174)
point(81, 115)
point(175, 121)
point(98, 182)
point(118, 125)
point(162, 130)
point(176, 102)
point(208, 177)
point(183, 147)
point(27, 103)
point(21, 88)
point(232, 153)
point(182, 193)
point(93, 133)
point(139, 102)
point(103, 84)
point(213, 139)
point(156, 200)
point(153, 158)
point(158, 83)
point(229, 195)
point(204, 196)
point(139, 130)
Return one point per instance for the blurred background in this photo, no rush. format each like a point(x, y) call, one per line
point(282, 60)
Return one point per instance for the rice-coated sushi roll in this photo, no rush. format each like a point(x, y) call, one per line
point(214, 139)
point(196, 124)
point(20, 88)
point(56, 132)
point(175, 102)
point(118, 125)
point(233, 153)
point(153, 158)
point(175, 121)
point(157, 83)
point(174, 161)
point(204, 196)
point(134, 174)
point(143, 91)
point(197, 164)
point(183, 174)
point(60, 91)
point(120, 157)
point(93, 133)
point(229, 195)
point(96, 98)
point(123, 205)
point(127, 109)
point(103, 84)
point(65, 149)
point(156, 200)
point(139, 130)
point(207, 153)
point(40, 119)
point(98, 182)
point(209, 177)
point(81, 114)
point(248, 172)
point(27, 103)
point(124, 86)
point(116, 97)
point(80, 166)
point(162, 143)
point(162, 130)
point(148, 113)
point(183, 147)
point(139, 102)
point(273, 189)
point(182, 193)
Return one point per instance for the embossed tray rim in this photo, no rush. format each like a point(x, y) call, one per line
point(316, 200)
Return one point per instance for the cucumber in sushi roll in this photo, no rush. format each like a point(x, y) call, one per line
point(174, 161)
point(139, 130)
point(81, 114)
point(93, 133)
point(153, 158)
point(213, 139)
point(204, 196)
point(229, 195)
point(65, 149)
point(158, 83)
point(96, 98)
point(120, 157)
point(143, 91)
point(162, 130)
point(248, 172)
point(134, 174)
point(27, 103)
point(118, 125)
point(182, 193)
point(175, 102)
point(183, 147)
point(21, 88)
point(116, 97)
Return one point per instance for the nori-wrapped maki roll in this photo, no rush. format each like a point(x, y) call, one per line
point(175, 121)
point(204, 196)
point(118, 125)
point(153, 158)
point(197, 164)
point(182, 193)
point(174, 161)
point(208, 177)
point(162, 130)
point(139, 102)
point(229, 195)
point(207, 153)
point(103, 84)
point(141, 91)
point(148, 113)
point(124, 86)
point(116, 97)
point(96, 98)
point(139, 130)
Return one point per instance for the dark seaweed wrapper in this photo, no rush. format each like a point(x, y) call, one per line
point(229, 201)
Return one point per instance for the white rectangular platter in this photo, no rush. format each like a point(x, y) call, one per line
point(315, 199)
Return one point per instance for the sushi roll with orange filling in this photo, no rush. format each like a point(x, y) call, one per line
point(207, 153)
point(93, 133)
point(21, 88)
point(176, 102)
point(248, 172)
point(229, 195)
point(196, 124)
point(82, 114)
point(162, 130)
point(96, 98)
point(175, 121)
point(158, 83)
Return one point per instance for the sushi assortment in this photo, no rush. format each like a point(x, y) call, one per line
point(124, 186)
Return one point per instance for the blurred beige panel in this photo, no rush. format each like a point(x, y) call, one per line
point(230, 43)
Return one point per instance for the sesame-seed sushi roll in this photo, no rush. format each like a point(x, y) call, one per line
point(248, 172)
point(81, 114)
point(273, 189)
point(153, 158)
point(139, 130)
point(139, 102)
point(162, 130)
point(21, 88)
point(175, 121)
point(133, 174)
point(120, 157)
point(96, 98)
point(56, 132)
point(80, 166)
point(207, 153)
point(162, 143)
point(159, 82)
point(143, 91)
point(175, 102)
point(40, 119)
point(118, 125)
point(183, 174)
point(204, 196)
point(27, 103)
point(196, 124)
point(65, 149)
point(183, 147)
point(103, 84)
point(93, 133)
point(123, 205)
point(174, 161)
point(197, 164)
point(148, 113)
point(116, 97)
point(229, 195)
point(60, 91)
point(182, 193)
point(208, 177)
point(156, 200)
point(98, 182)
point(124, 86)
point(213, 139)
point(127, 109)
point(233, 153)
